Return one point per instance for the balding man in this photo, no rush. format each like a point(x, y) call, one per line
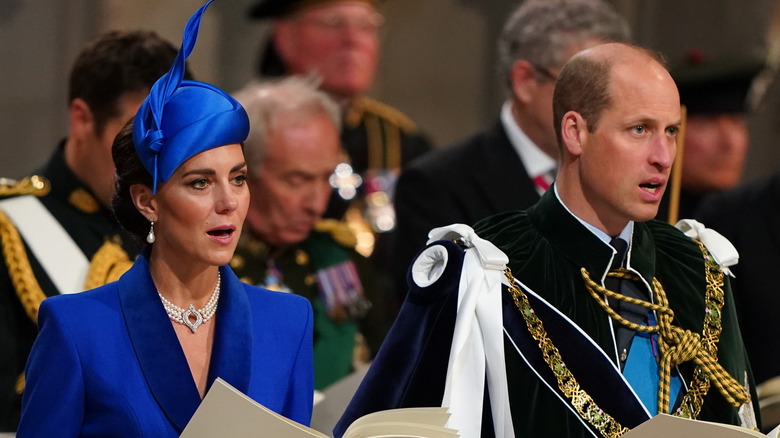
point(291, 152)
point(578, 354)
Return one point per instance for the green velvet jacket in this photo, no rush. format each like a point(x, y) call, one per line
point(547, 247)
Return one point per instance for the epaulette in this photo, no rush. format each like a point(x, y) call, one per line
point(392, 115)
point(31, 185)
point(107, 265)
point(338, 230)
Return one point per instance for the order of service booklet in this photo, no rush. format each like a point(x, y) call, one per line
point(226, 412)
point(664, 425)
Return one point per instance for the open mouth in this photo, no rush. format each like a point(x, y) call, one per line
point(221, 232)
point(651, 187)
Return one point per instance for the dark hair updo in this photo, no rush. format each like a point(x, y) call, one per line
point(129, 171)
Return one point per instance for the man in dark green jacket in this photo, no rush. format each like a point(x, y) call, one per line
point(582, 355)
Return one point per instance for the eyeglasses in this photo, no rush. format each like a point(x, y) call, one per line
point(369, 24)
point(545, 73)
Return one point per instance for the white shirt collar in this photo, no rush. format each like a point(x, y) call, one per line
point(626, 234)
point(535, 161)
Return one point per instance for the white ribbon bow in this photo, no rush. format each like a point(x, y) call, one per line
point(477, 345)
point(721, 249)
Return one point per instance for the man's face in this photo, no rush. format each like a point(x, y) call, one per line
point(290, 188)
point(94, 163)
point(714, 153)
point(625, 162)
point(339, 41)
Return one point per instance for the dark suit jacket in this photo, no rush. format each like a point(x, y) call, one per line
point(463, 183)
point(107, 362)
point(748, 216)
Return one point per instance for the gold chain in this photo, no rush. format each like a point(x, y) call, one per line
point(580, 400)
point(705, 357)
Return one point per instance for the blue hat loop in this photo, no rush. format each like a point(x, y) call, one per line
point(179, 118)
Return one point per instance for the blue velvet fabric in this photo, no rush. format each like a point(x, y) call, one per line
point(411, 366)
point(180, 119)
point(107, 362)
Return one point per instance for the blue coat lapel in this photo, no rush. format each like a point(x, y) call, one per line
point(231, 356)
point(156, 346)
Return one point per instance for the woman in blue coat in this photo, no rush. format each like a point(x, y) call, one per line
point(135, 357)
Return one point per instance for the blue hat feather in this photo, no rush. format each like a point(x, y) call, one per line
point(181, 118)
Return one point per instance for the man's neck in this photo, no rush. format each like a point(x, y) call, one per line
point(597, 229)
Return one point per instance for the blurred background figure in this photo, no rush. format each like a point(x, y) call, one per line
point(509, 165)
point(338, 42)
point(56, 224)
point(748, 215)
point(292, 151)
point(135, 357)
point(715, 93)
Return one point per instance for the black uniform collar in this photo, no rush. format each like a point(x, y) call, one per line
point(66, 185)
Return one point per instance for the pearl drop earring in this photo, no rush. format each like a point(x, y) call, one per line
point(150, 237)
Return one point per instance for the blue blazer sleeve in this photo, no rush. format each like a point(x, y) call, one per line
point(53, 398)
point(299, 402)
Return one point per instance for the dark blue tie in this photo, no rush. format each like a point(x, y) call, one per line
point(632, 312)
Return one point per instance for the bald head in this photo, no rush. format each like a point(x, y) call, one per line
point(583, 84)
point(618, 114)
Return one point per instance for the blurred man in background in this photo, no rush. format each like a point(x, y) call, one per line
point(58, 234)
point(338, 41)
point(292, 151)
point(714, 92)
point(508, 166)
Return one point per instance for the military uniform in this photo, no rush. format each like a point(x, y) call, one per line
point(377, 140)
point(349, 320)
point(25, 281)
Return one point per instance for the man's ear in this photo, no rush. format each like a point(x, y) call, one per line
point(522, 78)
point(144, 200)
point(574, 130)
point(81, 119)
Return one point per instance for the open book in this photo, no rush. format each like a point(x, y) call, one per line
point(226, 412)
point(664, 425)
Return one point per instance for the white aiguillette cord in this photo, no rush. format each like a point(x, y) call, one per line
point(477, 345)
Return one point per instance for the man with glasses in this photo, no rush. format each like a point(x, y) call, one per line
point(508, 166)
point(338, 41)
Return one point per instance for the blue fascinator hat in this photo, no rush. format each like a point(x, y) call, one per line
point(182, 118)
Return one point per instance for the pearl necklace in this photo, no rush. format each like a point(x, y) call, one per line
point(185, 316)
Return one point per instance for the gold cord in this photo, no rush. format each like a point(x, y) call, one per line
point(107, 265)
point(19, 270)
point(677, 345)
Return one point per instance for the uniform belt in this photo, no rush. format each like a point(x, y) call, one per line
point(64, 262)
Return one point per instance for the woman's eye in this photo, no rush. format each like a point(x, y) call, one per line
point(240, 179)
point(199, 183)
